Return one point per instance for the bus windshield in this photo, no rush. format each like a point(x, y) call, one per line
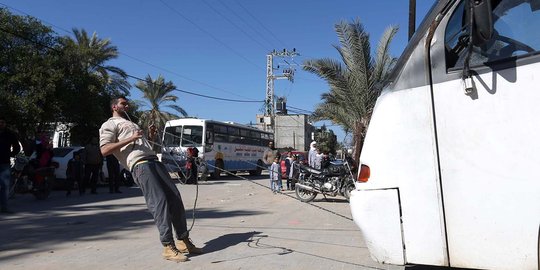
point(192, 136)
point(172, 136)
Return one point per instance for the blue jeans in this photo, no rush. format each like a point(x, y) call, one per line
point(5, 179)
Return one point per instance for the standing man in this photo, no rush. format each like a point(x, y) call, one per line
point(9, 147)
point(93, 162)
point(124, 139)
point(113, 168)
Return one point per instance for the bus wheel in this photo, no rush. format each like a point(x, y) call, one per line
point(218, 169)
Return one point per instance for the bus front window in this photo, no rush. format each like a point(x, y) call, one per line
point(172, 136)
point(192, 136)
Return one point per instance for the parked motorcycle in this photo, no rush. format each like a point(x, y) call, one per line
point(26, 178)
point(333, 179)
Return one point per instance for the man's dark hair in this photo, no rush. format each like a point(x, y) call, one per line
point(114, 100)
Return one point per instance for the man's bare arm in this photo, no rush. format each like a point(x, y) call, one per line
point(152, 131)
point(109, 148)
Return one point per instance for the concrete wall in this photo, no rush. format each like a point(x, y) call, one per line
point(293, 130)
point(290, 130)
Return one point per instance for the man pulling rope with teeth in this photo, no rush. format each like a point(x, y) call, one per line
point(124, 139)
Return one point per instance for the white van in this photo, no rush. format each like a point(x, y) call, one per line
point(451, 162)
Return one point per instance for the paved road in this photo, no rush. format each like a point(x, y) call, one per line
point(240, 224)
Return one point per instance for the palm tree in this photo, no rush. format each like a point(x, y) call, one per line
point(89, 79)
point(95, 52)
point(89, 55)
point(157, 93)
point(354, 85)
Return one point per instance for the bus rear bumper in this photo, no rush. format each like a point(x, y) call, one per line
point(377, 214)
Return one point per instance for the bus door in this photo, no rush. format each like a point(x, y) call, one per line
point(488, 138)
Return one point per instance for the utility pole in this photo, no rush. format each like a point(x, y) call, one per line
point(287, 73)
point(412, 18)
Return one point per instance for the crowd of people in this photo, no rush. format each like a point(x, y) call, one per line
point(290, 169)
point(122, 142)
point(84, 168)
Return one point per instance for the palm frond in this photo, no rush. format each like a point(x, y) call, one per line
point(383, 60)
point(352, 82)
point(178, 109)
point(157, 94)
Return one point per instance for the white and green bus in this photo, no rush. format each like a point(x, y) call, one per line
point(222, 146)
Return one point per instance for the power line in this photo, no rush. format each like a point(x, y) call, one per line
point(137, 59)
point(131, 76)
point(250, 25)
point(261, 24)
point(210, 34)
point(296, 112)
point(205, 96)
point(309, 112)
point(184, 77)
point(234, 24)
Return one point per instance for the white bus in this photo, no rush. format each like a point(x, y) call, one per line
point(223, 145)
point(450, 164)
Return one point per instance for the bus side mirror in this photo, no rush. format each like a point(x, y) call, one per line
point(483, 21)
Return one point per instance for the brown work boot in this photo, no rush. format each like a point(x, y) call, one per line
point(186, 246)
point(171, 253)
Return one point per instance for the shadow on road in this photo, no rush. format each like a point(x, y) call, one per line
point(213, 214)
point(37, 226)
point(41, 226)
point(228, 240)
point(320, 198)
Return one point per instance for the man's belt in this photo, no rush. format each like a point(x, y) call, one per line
point(142, 161)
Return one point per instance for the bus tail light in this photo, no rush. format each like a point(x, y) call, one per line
point(364, 174)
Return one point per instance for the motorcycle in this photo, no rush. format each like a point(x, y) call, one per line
point(26, 178)
point(335, 178)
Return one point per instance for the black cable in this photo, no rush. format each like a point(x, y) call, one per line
point(261, 24)
point(131, 76)
point(210, 34)
point(235, 25)
point(250, 25)
point(309, 112)
point(134, 58)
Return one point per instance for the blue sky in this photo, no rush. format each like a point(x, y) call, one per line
point(218, 47)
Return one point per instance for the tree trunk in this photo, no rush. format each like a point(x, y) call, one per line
point(358, 139)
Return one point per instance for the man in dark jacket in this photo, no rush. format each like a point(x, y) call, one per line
point(75, 173)
point(9, 147)
point(93, 160)
point(113, 168)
